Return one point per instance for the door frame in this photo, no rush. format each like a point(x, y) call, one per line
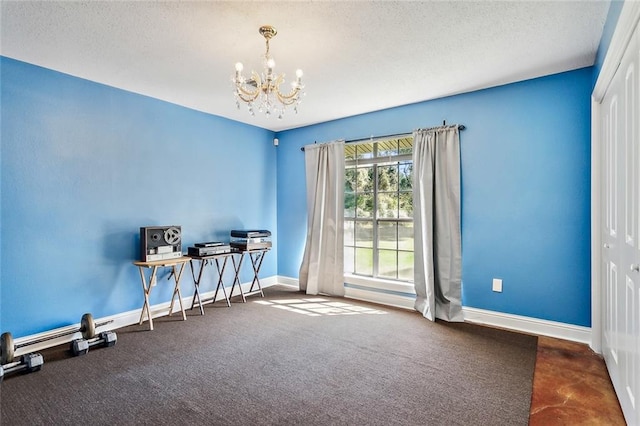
point(627, 21)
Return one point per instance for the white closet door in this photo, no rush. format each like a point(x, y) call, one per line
point(621, 222)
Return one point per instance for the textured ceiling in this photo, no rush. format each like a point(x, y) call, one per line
point(357, 57)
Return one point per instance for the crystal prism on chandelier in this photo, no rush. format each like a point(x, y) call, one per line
point(262, 91)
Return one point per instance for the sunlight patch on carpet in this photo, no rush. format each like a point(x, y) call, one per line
point(316, 306)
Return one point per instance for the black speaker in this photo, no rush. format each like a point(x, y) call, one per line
point(160, 243)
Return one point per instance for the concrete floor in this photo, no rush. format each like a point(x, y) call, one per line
point(571, 386)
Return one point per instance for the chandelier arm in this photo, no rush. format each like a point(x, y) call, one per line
point(250, 95)
point(290, 98)
point(246, 95)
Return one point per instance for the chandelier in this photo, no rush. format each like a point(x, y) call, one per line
point(263, 90)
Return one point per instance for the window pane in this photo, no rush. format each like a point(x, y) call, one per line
point(349, 260)
point(364, 234)
point(405, 173)
point(388, 178)
point(387, 264)
point(350, 179)
point(349, 205)
point(405, 265)
point(405, 236)
point(364, 179)
point(388, 205)
point(387, 235)
point(405, 208)
point(349, 235)
point(364, 206)
point(364, 261)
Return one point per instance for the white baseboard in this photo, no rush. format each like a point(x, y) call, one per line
point(288, 281)
point(473, 315)
point(528, 325)
point(478, 316)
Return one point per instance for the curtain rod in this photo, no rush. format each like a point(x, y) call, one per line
point(372, 138)
point(396, 135)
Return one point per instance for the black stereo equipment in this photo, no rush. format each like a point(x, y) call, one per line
point(247, 240)
point(160, 243)
point(208, 251)
point(263, 233)
point(209, 244)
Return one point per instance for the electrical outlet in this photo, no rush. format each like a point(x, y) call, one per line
point(497, 285)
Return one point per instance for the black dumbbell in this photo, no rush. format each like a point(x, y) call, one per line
point(106, 339)
point(29, 362)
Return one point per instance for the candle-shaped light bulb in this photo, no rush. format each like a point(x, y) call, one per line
point(299, 74)
point(239, 67)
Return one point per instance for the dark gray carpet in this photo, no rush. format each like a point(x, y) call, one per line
point(339, 362)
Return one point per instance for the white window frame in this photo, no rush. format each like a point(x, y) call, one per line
point(379, 283)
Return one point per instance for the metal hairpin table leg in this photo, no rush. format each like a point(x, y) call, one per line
point(256, 263)
point(236, 279)
point(176, 291)
point(146, 288)
point(196, 282)
point(220, 283)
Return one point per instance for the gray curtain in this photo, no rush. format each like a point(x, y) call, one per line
point(322, 269)
point(436, 206)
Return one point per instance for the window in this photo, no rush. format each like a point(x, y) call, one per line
point(378, 209)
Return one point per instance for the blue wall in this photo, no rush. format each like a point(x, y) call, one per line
point(84, 166)
point(525, 190)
